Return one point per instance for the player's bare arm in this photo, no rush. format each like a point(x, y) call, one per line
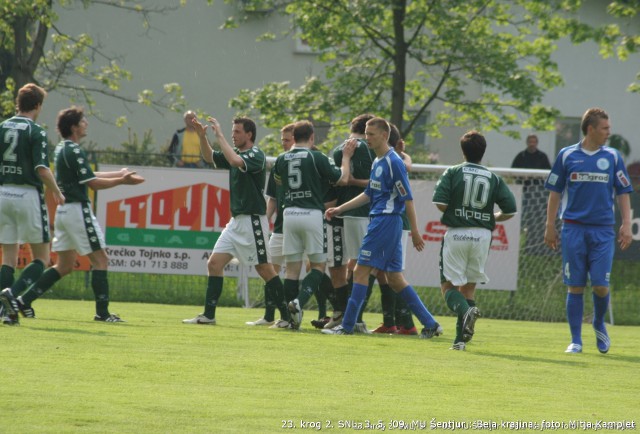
point(347, 152)
point(356, 202)
point(49, 181)
point(229, 153)
point(205, 147)
point(624, 234)
point(550, 235)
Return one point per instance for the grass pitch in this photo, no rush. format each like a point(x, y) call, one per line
point(63, 372)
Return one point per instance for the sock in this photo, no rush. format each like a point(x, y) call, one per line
point(6, 276)
point(402, 313)
point(275, 288)
point(29, 275)
point(309, 286)
point(388, 302)
point(600, 305)
point(358, 294)
point(418, 308)
point(372, 280)
point(100, 286)
point(332, 296)
point(214, 290)
point(575, 310)
point(322, 294)
point(44, 283)
point(291, 289)
point(342, 296)
point(456, 301)
point(460, 321)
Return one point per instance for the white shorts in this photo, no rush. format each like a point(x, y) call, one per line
point(275, 249)
point(304, 232)
point(76, 228)
point(23, 215)
point(244, 238)
point(354, 230)
point(463, 255)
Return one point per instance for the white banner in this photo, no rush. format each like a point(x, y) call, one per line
point(169, 224)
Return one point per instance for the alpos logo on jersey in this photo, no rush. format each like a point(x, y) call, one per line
point(471, 214)
point(185, 217)
point(589, 177)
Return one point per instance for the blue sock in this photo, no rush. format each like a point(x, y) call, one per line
point(600, 305)
point(358, 293)
point(575, 310)
point(418, 308)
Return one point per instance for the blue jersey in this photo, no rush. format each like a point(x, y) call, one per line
point(388, 187)
point(588, 183)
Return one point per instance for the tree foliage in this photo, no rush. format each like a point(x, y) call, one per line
point(33, 48)
point(403, 58)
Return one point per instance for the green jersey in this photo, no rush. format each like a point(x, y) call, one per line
point(275, 191)
point(305, 175)
point(246, 184)
point(361, 162)
point(23, 148)
point(72, 171)
point(470, 192)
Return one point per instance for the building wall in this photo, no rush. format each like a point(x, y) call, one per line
point(213, 65)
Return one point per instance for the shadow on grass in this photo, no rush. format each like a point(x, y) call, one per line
point(521, 358)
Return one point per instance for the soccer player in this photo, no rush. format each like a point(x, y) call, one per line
point(582, 185)
point(389, 193)
point(355, 220)
point(275, 202)
point(244, 237)
point(466, 195)
point(24, 169)
point(305, 175)
point(76, 229)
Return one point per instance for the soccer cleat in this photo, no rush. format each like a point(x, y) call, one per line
point(200, 319)
point(573, 348)
point(459, 346)
point(296, 314)
point(469, 322)
point(383, 329)
point(602, 340)
point(280, 324)
point(320, 323)
point(336, 320)
point(26, 311)
point(429, 333)
point(111, 318)
point(361, 327)
point(337, 330)
point(260, 322)
point(407, 331)
point(10, 306)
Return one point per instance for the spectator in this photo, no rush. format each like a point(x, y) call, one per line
point(184, 150)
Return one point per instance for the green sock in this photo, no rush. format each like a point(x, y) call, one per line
point(269, 304)
point(372, 280)
point(455, 301)
point(310, 285)
point(29, 275)
point(322, 294)
point(388, 302)
point(44, 283)
point(6, 276)
point(342, 297)
point(291, 287)
point(403, 314)
point(100, 286)
point(214, 290)
point(274, 298)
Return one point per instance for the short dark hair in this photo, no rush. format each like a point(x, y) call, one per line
point(394, 135)
point(379, 123)
point(359, 123)
point(473, 146)
point(68, 118)
point(302, 131)
point(248, 125)
point(592, 117)
point(287, 128)
point(29, 97)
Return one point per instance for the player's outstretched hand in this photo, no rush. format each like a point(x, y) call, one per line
point(625, 237)
point(200, 129)
point(331, 212)
point(131, 178)
point(417, 240)
point(215, 125)
point(349, 147)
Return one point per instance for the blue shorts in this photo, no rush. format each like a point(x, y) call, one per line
point(587, 250)
point(382, 244)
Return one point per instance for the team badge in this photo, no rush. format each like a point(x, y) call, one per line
point(602, 163)
point(378, 171)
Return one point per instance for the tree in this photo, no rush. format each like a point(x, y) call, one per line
point(74, 65)
point(403, 58)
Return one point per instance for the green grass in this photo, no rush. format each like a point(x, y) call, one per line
point(64, 372)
